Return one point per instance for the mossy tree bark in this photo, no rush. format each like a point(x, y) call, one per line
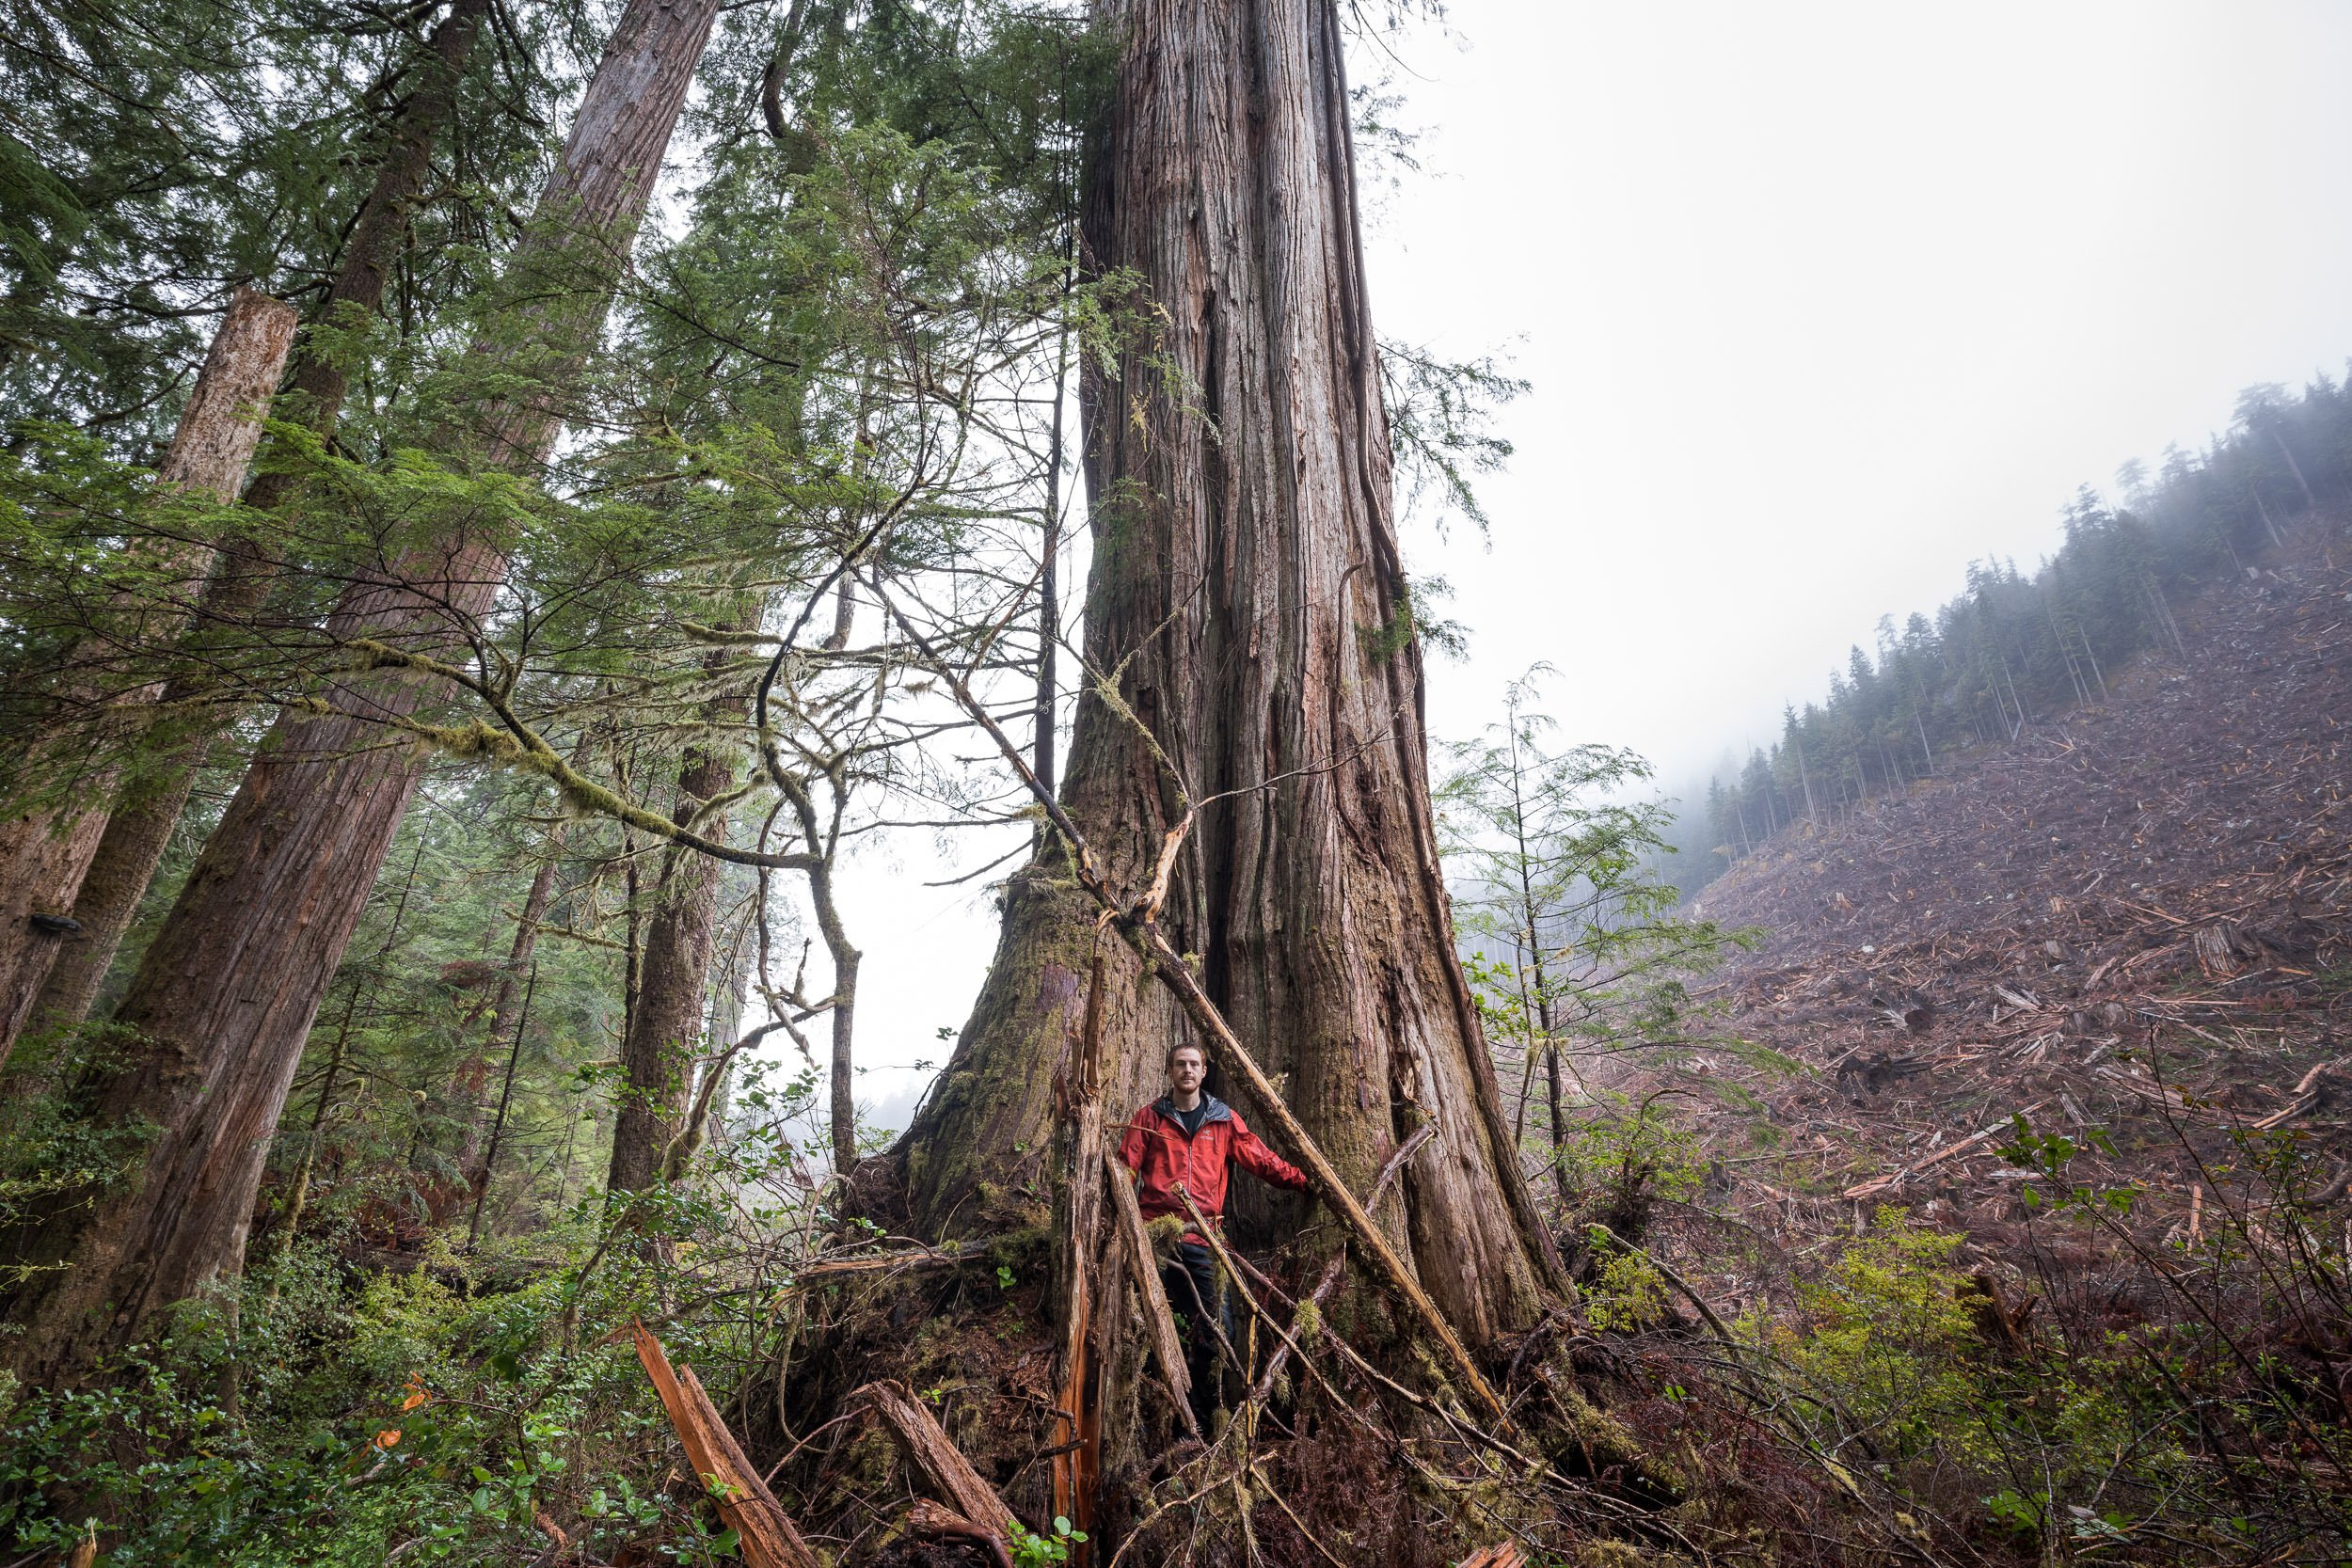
point(1247, 591)
point(223, 999)
point(665, 1028)
point(140, 827)
point(44, 854)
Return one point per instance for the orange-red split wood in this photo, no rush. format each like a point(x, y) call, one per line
point(766, 1531)
point(1507, 1554)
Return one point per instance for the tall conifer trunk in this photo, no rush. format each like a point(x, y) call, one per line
point(223, 999)
point(141, 827)
point(472, 1080)
point(1247, 586)
point(665, 1028)
point(44, 854)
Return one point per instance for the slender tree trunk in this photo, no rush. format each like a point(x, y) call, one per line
point(2311, 503)
point(225, 998)
point(1246, 583)
point(1541, 1016)
point(361, 986)
point(843, 1086)
point(665, 1026)
point(141, 826)
point(1556, 1091)
point(472, 1080)
point(2264, 512)
point(45, 854)
point(498, 1126)
point(1049, 569)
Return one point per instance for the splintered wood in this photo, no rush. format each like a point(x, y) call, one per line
point(767, 1537)
point(1505, 1556)
point(1144, 1269)
point(935, 1458)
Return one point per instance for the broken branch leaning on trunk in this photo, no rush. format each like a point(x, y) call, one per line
point(1142, 930)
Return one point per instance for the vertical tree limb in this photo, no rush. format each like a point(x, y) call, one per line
point(1158, 1319)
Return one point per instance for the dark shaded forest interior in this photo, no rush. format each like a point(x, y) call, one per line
point(509, 511)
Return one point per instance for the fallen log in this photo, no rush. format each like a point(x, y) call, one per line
point(882, 1262)
point(765, 1531)
point(1889, 1183)
point(936, 1459)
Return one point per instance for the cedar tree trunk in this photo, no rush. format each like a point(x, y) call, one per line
point(140, 829)
point(44, 854)
point(665, 1028)
point(1246, 585)
point(223, 999)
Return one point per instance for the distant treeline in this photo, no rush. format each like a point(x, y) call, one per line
point(2014, 647)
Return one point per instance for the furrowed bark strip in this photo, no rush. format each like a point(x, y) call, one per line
point(935, 1457)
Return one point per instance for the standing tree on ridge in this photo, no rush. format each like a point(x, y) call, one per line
point(1251, 652)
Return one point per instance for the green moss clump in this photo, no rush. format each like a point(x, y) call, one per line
point(1165, 1233)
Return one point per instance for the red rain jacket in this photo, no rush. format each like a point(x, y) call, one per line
point(1155, 1148)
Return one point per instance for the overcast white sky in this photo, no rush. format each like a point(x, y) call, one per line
point(1820, 302)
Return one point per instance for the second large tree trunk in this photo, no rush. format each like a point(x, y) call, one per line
point(44, 854)
point(224, 997)
point(141, 827)
point(1247, 586)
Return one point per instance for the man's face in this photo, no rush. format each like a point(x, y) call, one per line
point(1186, 1070)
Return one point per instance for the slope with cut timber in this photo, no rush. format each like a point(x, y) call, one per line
point(2136, 918)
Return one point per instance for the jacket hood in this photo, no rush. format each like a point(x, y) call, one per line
point(1214, 1109)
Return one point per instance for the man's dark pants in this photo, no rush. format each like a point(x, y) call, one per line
point(1190, 1280)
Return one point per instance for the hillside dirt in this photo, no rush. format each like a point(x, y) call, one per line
point(2135, 919)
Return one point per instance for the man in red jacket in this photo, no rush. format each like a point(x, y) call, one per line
point(1189, 1138)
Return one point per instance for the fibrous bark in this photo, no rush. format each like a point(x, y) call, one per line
point(44, 854)
point(223, 999)
point(1247, 588)
point(140, 827)
point(665, 1028)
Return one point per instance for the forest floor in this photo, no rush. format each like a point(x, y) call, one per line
point(2135, 919)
